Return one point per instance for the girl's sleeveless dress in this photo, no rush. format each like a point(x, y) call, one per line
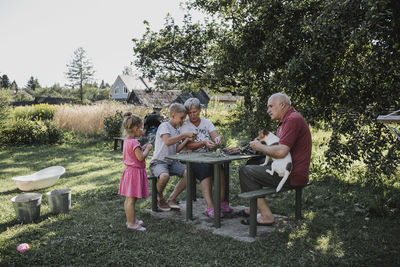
point(134, 178)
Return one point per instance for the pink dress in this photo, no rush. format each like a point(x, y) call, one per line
point(134, 178)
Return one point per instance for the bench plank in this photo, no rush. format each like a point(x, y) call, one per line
point(254, 195)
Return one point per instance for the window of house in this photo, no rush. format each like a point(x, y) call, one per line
point(116, 91)
point(125, 90)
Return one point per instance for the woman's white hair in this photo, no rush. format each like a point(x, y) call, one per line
point(282, 97)
point(192, 102)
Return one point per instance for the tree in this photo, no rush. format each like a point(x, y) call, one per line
point(14, 86)
point(337, 60)
point(5, 82)
point(33, 83)
point(80, 71)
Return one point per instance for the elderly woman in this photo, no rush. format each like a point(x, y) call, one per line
point(207, 138)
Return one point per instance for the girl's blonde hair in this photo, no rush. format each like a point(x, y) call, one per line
point(130, 121)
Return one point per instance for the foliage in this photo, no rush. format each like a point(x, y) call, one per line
point(80, 71)
point(5, 81)
point(113, 124)
point(28, 132)
point(5, 98)
point(328, 56)
point(35, 112)
point(33, 83)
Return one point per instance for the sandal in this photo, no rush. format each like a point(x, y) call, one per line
point(225, 207)
point(210, 213)
point(136, 227)
point(136, 222)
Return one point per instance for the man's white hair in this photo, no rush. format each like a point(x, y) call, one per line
point(282, 97)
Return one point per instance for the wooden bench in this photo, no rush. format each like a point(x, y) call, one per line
point(116, 140)
point(254, 195)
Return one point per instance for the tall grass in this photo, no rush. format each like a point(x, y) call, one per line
point(89, 119)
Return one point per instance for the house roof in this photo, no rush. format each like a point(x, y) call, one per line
point(153, 98)
point(135, 82)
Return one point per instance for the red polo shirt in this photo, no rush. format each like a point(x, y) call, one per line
point(293, 132)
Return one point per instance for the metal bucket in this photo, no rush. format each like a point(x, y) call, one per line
point(59, 200)
point(27, 206)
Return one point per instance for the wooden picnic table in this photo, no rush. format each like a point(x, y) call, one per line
point(217, 160)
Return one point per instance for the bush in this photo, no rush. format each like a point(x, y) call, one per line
point(113, 124)
point(4, 105)
point(27, 132)
point(35, 112)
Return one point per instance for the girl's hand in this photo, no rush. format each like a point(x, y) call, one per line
point(148, 147)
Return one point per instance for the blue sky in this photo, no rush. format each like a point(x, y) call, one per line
point(38, 37)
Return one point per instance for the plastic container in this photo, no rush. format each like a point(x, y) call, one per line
point(59, 200)
point(27, 206)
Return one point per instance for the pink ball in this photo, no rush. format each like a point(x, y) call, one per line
point(23, 247)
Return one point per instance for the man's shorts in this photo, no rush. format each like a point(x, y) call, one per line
point(172, 167)
point(202, 170)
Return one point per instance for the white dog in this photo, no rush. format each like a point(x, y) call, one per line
point(282, 166)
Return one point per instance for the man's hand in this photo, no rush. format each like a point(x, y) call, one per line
point(257, 146)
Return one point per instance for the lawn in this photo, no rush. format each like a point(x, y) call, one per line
point(338, 226)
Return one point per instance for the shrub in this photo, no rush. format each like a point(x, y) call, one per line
point(4, 105)
point(113, 124)
point(35, 112)
point(27, 132)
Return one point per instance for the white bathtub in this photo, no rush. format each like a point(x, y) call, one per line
point(41, 179)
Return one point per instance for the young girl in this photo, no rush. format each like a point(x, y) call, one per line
point(134, 182)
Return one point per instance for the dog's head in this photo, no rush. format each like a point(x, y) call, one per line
point(267, 138)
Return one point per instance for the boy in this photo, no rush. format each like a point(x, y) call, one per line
point(166, 143)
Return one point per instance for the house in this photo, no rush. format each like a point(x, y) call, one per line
point(139, 91)
point(124, 84)
point(201, 95)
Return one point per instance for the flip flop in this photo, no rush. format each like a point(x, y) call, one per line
point(247, 222)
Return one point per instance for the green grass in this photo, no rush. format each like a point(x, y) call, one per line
point(338, 227)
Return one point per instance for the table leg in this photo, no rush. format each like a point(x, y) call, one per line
point(226, 176)
point(189, 188)
point(217, 193)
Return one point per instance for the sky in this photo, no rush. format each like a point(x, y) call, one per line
point(38, 37)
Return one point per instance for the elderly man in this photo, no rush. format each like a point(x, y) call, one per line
point(295, 137)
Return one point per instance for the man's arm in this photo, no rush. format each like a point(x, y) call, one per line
point(275, 151)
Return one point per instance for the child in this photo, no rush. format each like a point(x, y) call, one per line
point(166, 143)
point(134, 182)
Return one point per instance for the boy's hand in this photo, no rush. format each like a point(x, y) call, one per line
point(191, 135)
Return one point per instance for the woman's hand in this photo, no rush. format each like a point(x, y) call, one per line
point(217, 140)
point(210, 144)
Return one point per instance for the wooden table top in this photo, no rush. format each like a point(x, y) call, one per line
point(209, 157)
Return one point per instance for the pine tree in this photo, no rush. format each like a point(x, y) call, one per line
point(80, 71)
